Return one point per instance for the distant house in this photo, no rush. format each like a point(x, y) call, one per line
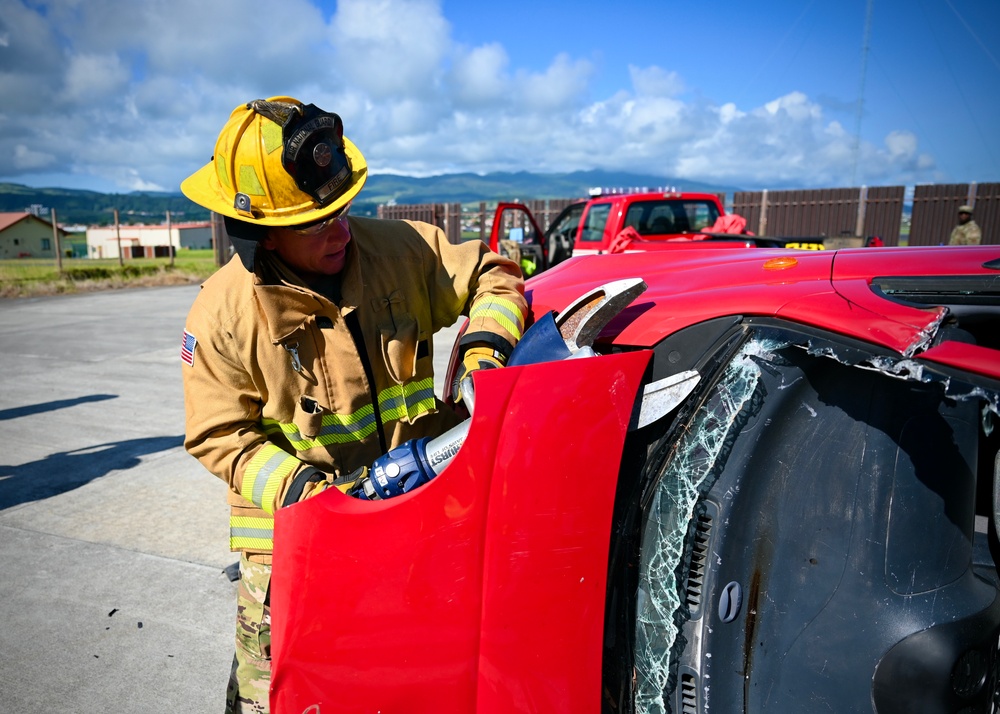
point(146, 241)
point(24, 235)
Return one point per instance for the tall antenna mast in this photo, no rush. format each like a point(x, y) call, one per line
point(861, 90)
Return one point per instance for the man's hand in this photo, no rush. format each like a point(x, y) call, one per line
point(319, 482)
point(475, 358)
point(314, 488)
point(307, 483)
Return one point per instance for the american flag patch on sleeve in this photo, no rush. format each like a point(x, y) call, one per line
point(187, 348)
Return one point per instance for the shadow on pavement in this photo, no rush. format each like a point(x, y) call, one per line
point(16, 412)
point(66, 470)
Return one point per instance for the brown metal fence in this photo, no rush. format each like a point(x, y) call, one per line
point(836, 213)
point(751, 205)
point(546, 211)
point(882, 213)
point(935, 211)
point(987, 211)
point(446, 216)
point(828, 212)
point(845, 216)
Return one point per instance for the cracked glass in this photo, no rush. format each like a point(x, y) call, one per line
point(700, 453)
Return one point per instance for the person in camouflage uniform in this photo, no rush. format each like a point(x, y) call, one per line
point(966, 232)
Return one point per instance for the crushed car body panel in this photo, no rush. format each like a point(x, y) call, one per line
point(830, 288)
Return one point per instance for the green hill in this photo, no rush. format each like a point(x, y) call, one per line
point(522, 185)
point(75, 206)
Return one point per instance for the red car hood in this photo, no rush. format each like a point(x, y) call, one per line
point(831, 290)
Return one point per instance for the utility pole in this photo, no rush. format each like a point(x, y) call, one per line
point(56, 242)
point(170, 240)
point(861, 89)
point(118, 234)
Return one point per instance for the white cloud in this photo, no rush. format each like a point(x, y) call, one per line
point(562, 84)
point(93, 78)
point(25, 158)
point(901, 144)
point(479, 76)
point(655, 82)
point(789, 142)
point(136, 93)
point(390, 47)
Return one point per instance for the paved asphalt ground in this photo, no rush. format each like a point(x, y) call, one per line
point(113, 540)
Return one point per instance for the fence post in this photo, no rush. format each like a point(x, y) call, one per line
point(762, 224)
point(482, 221)
point(170, 241)
point(859, 226)
point(118, 234)
point(57, 242)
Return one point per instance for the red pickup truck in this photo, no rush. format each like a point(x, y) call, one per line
point(615, 221)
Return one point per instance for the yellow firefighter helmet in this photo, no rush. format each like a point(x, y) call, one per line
point(278, 162)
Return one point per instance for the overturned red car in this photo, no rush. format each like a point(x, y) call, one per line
point(767, 482)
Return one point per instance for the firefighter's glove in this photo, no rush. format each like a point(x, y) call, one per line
point(475, 358)
point(353, 483)
point(314, 488)
point(307, 483)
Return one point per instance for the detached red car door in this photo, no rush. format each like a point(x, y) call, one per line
point(483, 591)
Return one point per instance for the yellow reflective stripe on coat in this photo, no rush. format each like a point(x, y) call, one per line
point(265, 473)
point(505, 312)
point(334, 429)
point(395, 403)
point(251, 533)
point(406, 400)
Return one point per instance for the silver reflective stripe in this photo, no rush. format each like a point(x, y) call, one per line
point(264, 476)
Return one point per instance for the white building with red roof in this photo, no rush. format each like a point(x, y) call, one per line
point(142, 241)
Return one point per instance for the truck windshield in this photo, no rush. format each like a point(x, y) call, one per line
point(593, 226)
point(667, 216)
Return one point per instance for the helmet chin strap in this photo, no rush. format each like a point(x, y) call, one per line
point(246, 239)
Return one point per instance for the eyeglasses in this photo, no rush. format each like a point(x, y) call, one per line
point(316, 227)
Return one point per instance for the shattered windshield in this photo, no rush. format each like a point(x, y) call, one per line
point(701, 452)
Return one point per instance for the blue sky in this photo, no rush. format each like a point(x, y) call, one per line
point(116, 95)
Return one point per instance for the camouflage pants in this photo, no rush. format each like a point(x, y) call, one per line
point(250, 678)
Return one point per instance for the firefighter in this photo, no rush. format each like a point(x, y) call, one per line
point(310, 354)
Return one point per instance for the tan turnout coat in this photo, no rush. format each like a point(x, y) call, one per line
point(274, 381)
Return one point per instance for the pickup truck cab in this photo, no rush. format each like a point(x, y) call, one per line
point(631, 220)
point(610, 221)
point(661, 216)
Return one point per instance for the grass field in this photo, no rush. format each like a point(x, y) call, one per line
point(28, 277)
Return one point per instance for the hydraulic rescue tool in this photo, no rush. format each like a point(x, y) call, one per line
point(568, 335)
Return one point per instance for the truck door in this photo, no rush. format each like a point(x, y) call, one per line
point(516, 235)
